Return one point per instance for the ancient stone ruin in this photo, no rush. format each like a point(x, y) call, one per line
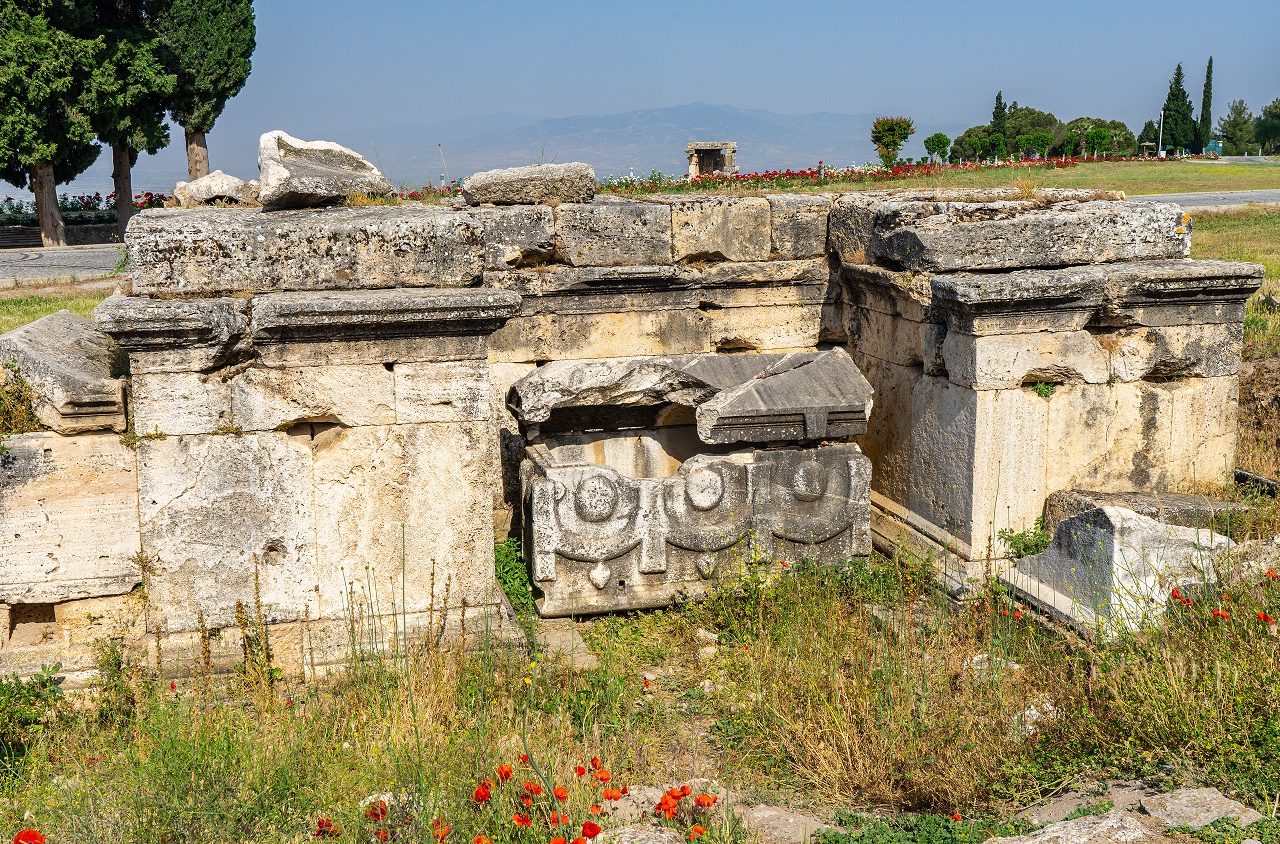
point(707, 157)
point(332, 412)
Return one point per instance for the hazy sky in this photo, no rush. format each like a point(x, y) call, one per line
point(349, 69)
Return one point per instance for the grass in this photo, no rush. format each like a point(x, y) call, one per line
point(851, 687)
point(20, 310)
point(17, 414)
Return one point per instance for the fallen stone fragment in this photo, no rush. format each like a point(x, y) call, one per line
point(1111, 566)
point(1185, 509)
point(538, 184)
point(302, 174)
point(1111, 828)
point(68, 363)
point(642, 833)
point(780, 825)
point(216, 187)
point(1196, 808)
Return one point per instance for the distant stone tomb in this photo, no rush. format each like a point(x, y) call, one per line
point(707, 157)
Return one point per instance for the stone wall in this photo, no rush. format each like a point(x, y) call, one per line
point(319, 397)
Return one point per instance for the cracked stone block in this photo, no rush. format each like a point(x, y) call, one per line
point(70, 365)
point(720, 228)
point(272, 399)
point(1111, 566)
point(532, 185)
point(986, 230)
point(299, 174)
point(216, 251)
point(798, 225)
point(1197, 808)
point(69, 518)
point(1112, 828)
point(518, 237)
point(177, 403)
point(453, 391)
point(611, 232)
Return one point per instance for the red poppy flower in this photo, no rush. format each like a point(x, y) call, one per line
point(481, 839)
point(590, 829)
point(521, 820)
point(526, 800)
point(596, 763)
point(595, 809)
point(558, 840)
point(382, 835)
point(504, 772)
point(483, 793)
point(325, 828)
point(1265, 619)
point(955, 816)
point(533, 788)
point(697, 832)
point(578, 770)
point(1272, 574)
point(557, 819)
point(612, 794)
point(377, 811)
point(578, 840)
point(1221, 614)
point(173, 687)
point(705, 801)
point(686, 790)
point(561, 793)
point(440, 830)
point(602, 775)
point(524, 758)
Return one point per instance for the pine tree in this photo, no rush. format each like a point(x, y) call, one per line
point(208, 45)
point(1204, 129)
point(50, 81)
point(999, 116)
point(1235, 128)
point(1179, 124)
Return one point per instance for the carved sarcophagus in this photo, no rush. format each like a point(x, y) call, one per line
point(647, 478)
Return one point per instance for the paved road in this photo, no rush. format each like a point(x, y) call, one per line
point(1216, 199)
point(18, 266)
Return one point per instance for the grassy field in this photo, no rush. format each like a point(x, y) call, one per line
point(21, 310)
point(848, 689)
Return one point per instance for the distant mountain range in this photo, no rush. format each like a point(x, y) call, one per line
point(615, 144)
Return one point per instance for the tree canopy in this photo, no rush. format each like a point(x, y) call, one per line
point(1204, 125)
point(889, 134)
point(209, 44)
point(1179, 126)
point(1235, 128)
point(936, 145)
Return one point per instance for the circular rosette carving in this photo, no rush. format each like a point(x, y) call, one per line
point(707, 505)
point(597, 513)
point(813, 494)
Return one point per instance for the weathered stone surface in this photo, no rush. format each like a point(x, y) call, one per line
point(217, 187)
point(561, 636)
point(1196, 808)
point(276, 399)
point(992, 230)
point(69, 518)
point(781, 824)
point(301, 174)
point(720, 228)
point(449, 391)
point(1174, 508)
point(518, 237)
point(738, 398)
point(216, 251)
point(611, 232)
point(1111, 566)
point(177, 403)
point(798, 225)
point(173, 335)
point(1112, 828)
point(69, 364)
point(642, 833)
point(532, 185)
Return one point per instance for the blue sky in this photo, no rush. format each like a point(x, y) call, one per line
point(354, 71)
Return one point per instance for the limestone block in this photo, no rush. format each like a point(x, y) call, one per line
point(70, 366)
point(177, 403)
point(1143, 435)
point(216, 251)
point(798, 225)
point(1111, 566)
point(1204, 350)
point(164, 335)
point(214, 511)
point(764, 328)
point(988, 231)
point(518, 237)
point(612, 232)
point(538, 183)
point(888, 441)
point(1115, 827)
point(814, 503)
point(720, 228)
point(442, 392)
point(1197, 808)
point(887, 337)
point(299, 174)
point(69, 518)
point(560, 278)
point(802, 271)
point(585, 336)
point(214, 188)
point(1174, 508)
point(387, 351)
point(1007, 361)
point(274, 399)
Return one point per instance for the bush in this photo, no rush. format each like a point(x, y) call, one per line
point(17, 412)
point(1026, 543)
point(889, 134)
point(26, 708)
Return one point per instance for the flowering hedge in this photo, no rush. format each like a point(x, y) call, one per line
point(75, 208)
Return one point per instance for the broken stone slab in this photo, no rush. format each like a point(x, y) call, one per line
point(1112, 567)
point(1174, 508)
point(71, 366)
point(780, 824)
point(174, 335)
point(1112, 828)
point(219, 251)
point(215, 188)
point(612, 232)
point(798, 225)
point(537, 184)
point(1196, 808)
point(642, 833)
point(987, 230)
point(301, 174)
point(522, 236)
point(738, 398)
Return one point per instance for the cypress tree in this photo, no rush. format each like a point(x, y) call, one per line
point(50, 82)
point(208, 45)
point(1204, 131)
point(999, 116)
point(1179, 124)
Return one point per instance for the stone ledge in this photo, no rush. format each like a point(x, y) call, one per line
point(373, 314)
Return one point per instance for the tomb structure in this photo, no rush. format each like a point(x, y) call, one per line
point(707, 157)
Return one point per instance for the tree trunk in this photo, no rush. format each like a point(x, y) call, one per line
point(121, 173)
point(43, 184)
point(197, 155)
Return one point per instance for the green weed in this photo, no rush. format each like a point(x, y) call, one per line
point(1028, 542)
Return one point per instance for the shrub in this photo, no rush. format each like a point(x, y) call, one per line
point(889, 134)
point(26, 708)
point(1026, 543)
point(937, 145)
point(17, 413)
